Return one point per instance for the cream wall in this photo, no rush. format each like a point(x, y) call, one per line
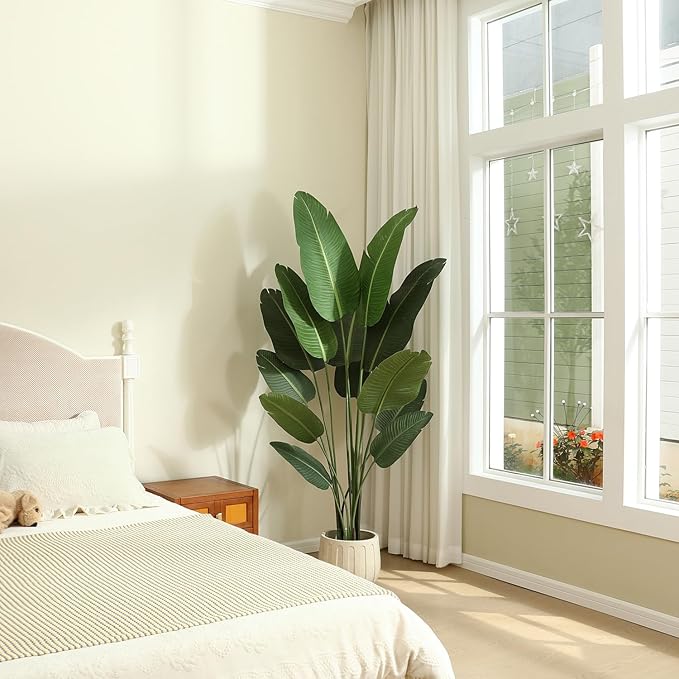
point(149, 151)
point(627, 566)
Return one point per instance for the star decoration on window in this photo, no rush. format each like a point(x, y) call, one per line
point(585, 228)
point(574, 168)
point(557, 221)
point(512, 222)
point(532, 174)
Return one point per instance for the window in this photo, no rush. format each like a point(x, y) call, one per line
point(662, 315)
point(528, 76)
point(546, 306)
point(571, 194)
point(662, 44)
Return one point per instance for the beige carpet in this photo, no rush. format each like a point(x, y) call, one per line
point(497, 631)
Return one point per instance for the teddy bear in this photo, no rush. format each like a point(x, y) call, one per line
point(20, 506)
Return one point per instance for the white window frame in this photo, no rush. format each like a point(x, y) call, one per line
point(621, 120)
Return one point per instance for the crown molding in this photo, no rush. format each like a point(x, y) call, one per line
point(331, 10)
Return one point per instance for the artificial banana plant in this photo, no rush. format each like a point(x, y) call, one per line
point(340, 319)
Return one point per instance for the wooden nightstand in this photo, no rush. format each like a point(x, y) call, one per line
point(238, 504)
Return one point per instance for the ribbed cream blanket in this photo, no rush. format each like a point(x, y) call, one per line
point(63, 591)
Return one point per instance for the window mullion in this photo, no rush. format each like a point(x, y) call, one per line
point(547, 61)
point(549, 323)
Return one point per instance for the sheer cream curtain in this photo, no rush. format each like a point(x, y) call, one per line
point(416, 506)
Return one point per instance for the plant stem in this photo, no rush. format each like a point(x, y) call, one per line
point(348, 431)
point(336, 490)
point(329, 456)
point(331, 437)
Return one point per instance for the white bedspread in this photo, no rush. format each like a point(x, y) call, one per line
point(368, 637)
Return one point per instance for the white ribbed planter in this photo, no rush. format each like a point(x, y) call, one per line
point(360, 557)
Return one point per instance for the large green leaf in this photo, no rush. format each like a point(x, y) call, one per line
point(293, 416)
point(377, 265)
point(314, 333)
point(388, 446)
point(395, 382)
point(327, 262)
point(282, 379)
point(282, 332)
point(307, 465)
point(395, 328)
point(387, 416)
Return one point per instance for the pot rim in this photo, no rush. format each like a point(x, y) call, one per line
point(372, 535)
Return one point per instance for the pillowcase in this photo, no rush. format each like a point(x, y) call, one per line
point(87, 471)
point(86, 421)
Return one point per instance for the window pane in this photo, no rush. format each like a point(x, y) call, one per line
point(515, 67)
point(517, 233)
point(578, 437)
point(662, 405)
point(663, 219)
point(662, 339)
point(517, 391)
point(578, 227)
point(662, 43)
point(575, 31)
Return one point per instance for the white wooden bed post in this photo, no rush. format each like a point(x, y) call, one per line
point(131, 366)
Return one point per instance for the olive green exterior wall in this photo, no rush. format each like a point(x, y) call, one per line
point(524, 267)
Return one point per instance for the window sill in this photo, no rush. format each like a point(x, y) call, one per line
point(595, 506)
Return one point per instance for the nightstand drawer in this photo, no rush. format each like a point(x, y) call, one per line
point(238, 512)
point(201, 507)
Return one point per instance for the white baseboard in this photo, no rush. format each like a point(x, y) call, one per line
point(575, 595)
point(646, 617)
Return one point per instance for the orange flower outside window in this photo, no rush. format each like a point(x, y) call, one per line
point(577, 452)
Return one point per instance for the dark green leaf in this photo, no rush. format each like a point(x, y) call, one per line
point(327, 262)
point(387, 416)
point(388, 446)
point(340, 380)
point(293, 416)
point(377, 265)
point(307, 465)
point(282, 333)
point(395, 328)
point(282, 379)
point(395, 382)
point(313, 332)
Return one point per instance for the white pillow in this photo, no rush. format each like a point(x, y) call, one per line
point(86, 421)
point(88, 471)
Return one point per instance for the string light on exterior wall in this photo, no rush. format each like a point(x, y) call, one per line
point(574, 168)
point(512, 221)
point(585, 228)
point(532, 173)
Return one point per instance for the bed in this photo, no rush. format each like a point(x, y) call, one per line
point(161, 592)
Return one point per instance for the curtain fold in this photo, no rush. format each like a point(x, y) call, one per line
point(416, 505)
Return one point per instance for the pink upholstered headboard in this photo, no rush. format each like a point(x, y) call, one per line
point(43, 380)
